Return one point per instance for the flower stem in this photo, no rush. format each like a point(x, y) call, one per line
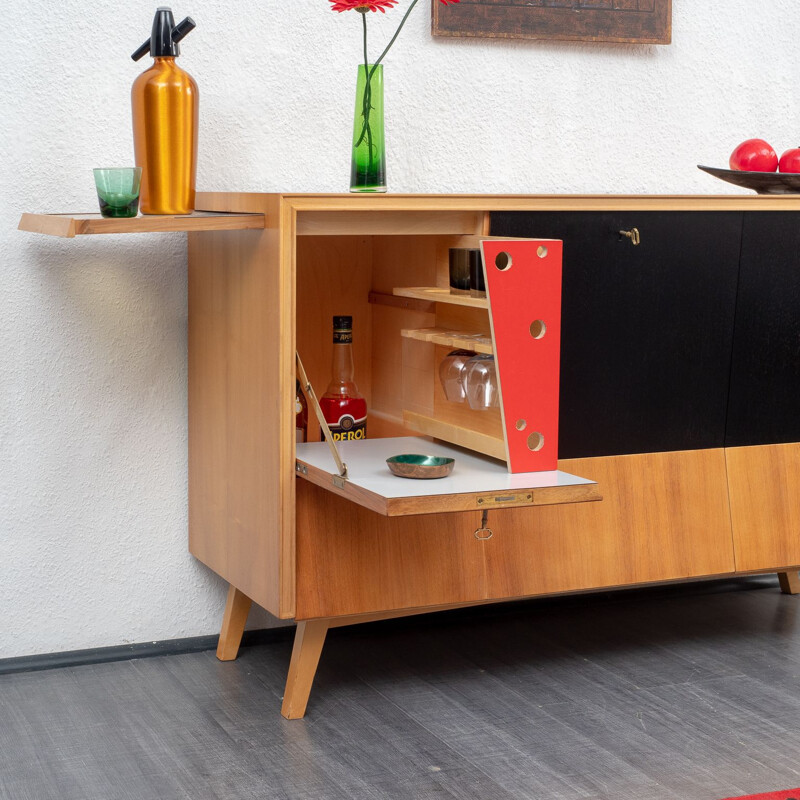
point(365, 130)
point(367, 99)
point(396, 34)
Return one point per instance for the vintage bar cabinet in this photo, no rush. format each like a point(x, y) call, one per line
point(679, 377)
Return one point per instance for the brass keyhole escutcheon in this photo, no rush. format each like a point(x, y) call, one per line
point(633, 235)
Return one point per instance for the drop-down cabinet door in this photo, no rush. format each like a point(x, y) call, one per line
point(376, 542)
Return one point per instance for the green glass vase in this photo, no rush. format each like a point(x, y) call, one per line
point(368, 164)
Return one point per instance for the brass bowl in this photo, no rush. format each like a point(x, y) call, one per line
point(411, 465)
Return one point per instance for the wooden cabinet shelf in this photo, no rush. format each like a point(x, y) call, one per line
point(70, 225)
point(460, 435)
point(437, 295)
point(478, 342)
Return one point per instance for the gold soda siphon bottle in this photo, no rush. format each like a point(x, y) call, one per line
point(165, 104)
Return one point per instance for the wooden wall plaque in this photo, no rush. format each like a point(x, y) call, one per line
point(632, 21)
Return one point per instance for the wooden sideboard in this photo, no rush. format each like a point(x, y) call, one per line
point(659, 362)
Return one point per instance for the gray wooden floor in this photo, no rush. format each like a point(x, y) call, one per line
point(690, 693)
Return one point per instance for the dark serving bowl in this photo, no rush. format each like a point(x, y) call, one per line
point(761, 182)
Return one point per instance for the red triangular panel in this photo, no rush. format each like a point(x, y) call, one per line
point(523, 284)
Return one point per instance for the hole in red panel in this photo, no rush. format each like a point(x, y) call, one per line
point(535, 442)
point(502, 261)
point(521, 424)
point(538, 329)
point(542, 251)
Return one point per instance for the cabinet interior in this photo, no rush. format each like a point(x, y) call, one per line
point(398, 340)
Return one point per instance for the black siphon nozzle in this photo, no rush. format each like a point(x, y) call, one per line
point(165, 35)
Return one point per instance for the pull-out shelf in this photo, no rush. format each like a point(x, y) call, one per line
point(69, 226)
point(476, 481)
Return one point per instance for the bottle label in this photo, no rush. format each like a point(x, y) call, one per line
point(347, 428)
point(342, 336)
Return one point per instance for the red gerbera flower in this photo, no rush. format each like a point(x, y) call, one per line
point(367, 5)
point(370, 5)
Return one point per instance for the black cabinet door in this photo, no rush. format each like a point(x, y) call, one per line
point(647, 331)
point(764, 405)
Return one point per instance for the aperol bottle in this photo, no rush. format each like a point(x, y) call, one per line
point(343, 406)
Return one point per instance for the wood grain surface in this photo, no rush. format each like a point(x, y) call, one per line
point(351, 560)
point(308, 641)
point(632, 21)
point(241, 431)
point(71, 225)
point(765, 505)
point(666, 519)
point(464, 435)
point(397, 205)
point(237, 607)
point(664, 516)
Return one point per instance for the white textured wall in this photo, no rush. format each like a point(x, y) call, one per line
point(93, 331)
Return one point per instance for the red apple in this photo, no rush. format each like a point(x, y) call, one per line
point(790, 160)
point(754, 155)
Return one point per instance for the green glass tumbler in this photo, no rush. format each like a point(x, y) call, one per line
point(368, 164)
point(118, 191)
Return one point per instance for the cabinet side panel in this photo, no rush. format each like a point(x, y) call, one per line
point(240, 431)
point(208, 399)
point(765, 505)
point(663, 517)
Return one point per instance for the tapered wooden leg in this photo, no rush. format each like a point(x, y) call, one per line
point(230, 637)
point(790, 582)
point(308, 641)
